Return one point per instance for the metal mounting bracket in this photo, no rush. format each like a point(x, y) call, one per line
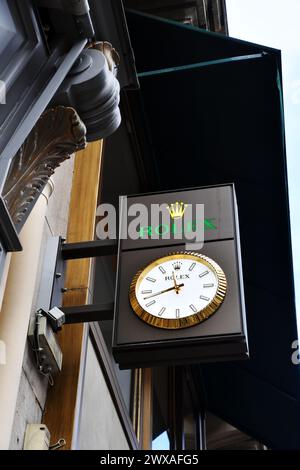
point(53, 273)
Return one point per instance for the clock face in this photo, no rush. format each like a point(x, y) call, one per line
point(178, 290)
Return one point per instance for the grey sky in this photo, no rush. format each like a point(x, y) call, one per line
point(275, 23)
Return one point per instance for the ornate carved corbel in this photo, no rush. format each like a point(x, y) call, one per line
point(110, 53)
point(58, 133)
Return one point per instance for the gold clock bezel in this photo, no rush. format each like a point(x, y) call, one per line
point(190, 320)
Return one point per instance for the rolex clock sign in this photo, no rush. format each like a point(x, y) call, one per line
point(179, 293)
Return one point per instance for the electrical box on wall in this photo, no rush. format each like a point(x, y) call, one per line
point(45, 344)
point(175, 304)
point(37, 437)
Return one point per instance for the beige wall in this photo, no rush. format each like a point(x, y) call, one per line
point(33, 386)
point(22, 389)
point(16, 310)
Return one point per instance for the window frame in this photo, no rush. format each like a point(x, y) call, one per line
point(105, 362)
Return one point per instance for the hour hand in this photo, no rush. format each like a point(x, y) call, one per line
point(175, 283)
point(163, 291)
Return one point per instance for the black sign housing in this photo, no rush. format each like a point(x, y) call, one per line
point(221, 337)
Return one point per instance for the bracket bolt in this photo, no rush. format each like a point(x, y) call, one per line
point(58, 275)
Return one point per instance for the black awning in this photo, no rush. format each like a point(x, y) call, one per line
point(213, 113)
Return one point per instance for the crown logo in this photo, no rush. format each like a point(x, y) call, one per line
point(177, 210)
point(177, 265)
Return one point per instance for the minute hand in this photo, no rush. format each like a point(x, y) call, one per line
point(163, 291)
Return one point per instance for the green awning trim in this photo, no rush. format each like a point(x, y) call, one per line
point(209, 63)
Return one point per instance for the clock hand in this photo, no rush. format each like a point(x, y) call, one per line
point(163, 291)
point(175, 283)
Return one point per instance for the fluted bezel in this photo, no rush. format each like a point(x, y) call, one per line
point(190, 320)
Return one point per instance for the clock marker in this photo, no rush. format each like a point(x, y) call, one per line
point(193, 308)
point(146, 291)
point(161, 311)
point(162, 270)
point(150, 303)
point(203, 297)
point(203, 274)
point(177, 312)
point(192, 267)
point(150, 279)
point(208, 285)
